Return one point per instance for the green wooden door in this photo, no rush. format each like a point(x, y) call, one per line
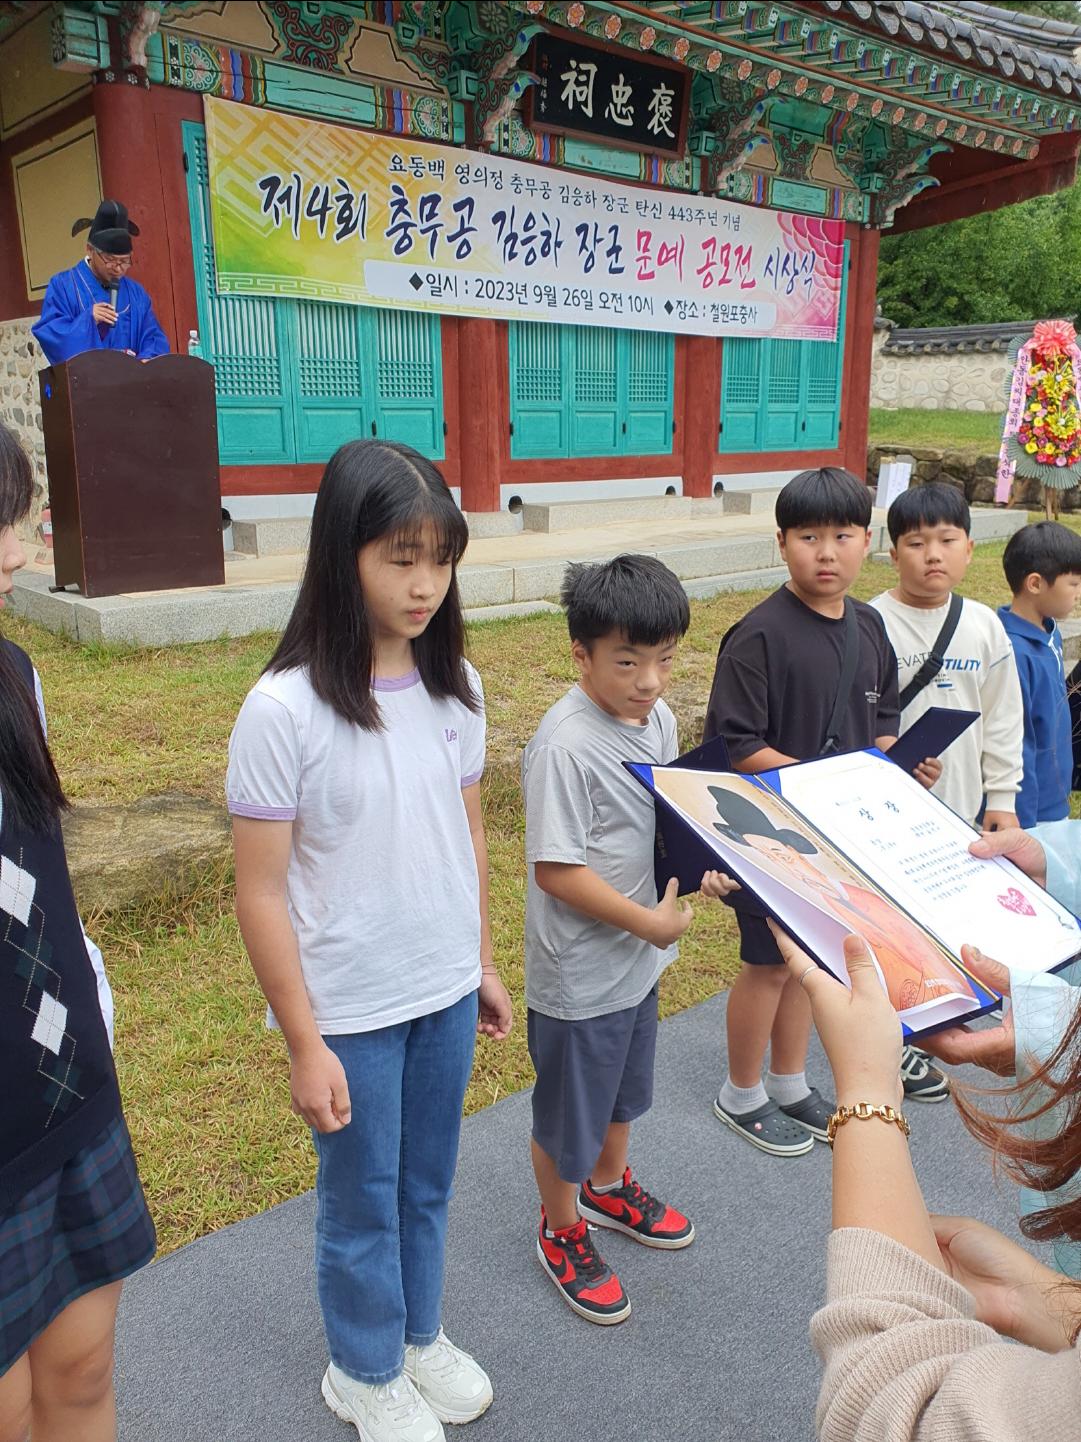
point(783, 395)
point(538, 382)
point(295, 379)
point(589, 391)
point(245, 338)
point(408, 396)
point(650, 376)
point(597, 365)
point(824, 371)
point(332, 385)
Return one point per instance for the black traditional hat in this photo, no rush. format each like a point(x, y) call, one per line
point(741, 818)
point(110, 230)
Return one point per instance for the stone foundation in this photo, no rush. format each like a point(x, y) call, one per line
point(975, 477)
point(20, 407)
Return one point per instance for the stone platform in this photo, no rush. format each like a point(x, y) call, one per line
point(710, 545)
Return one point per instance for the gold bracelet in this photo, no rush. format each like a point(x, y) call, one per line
point(862, 1111)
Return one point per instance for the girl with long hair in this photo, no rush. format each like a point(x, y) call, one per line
point(362, 881)
point(73, 1219)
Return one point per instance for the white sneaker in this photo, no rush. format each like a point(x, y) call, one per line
point(454, 1386)
point(390, 1412)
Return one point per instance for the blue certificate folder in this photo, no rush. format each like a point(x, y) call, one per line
point(917, 940)
point(936, 729)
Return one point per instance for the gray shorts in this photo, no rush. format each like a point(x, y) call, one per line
point(589, 1074)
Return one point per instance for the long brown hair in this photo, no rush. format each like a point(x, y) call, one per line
point(1043, 1163)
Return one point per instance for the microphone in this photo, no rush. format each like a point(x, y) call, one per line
point(112, 296)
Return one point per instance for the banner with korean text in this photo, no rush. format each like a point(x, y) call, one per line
point(323, 212)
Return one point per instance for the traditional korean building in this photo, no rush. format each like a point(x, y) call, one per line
point(641, 154)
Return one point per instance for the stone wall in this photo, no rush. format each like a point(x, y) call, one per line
point(975, 475)
point(20, 405)
point(962, 381)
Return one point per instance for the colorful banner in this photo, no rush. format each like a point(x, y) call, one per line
point(322, 212)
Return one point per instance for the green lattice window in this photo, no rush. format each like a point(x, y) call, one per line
point(782, 395)
point(589, 391)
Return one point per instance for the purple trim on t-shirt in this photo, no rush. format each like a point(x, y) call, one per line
point(262, 813)
point(396, 683)
point(471, 780)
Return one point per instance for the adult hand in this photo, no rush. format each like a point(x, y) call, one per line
point(717, 884)
point(104, 314)
point(320, 1090)
point(928, 771)
point(860, 1030)
point(494, 1015)
point(1017, 846)
point(670, 918)
point(993, 1048)
point(1014, 1293)
point(999, 821)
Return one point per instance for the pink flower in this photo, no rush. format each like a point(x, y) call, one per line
point(647, 38)
point(1053, 338)
point(612, 26)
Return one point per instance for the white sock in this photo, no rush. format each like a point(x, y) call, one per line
point(787, 1090)
point(738, 1100)
point(608, 1187)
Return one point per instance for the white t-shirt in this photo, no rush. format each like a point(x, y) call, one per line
point(980, 674)
point(382, 884)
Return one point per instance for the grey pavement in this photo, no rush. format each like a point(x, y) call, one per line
point(222, 1342)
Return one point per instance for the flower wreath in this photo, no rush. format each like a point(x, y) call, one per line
point(1042, 435)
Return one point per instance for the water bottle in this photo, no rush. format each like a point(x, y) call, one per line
point(194, 346)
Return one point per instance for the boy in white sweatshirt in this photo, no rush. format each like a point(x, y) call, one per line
point(931, 547)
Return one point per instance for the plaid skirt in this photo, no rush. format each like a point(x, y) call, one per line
point(84, 1226)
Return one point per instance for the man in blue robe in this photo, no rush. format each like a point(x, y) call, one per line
point(96, 305)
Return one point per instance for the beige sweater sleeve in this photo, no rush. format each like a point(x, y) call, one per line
point(906, 1362)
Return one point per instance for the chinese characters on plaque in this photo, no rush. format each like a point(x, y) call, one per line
point(584, 90)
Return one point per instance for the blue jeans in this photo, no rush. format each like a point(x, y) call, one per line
point(384, 1186)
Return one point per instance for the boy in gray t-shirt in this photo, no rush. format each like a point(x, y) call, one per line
point(596, 938)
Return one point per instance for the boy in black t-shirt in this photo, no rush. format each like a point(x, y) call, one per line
point(778, 676)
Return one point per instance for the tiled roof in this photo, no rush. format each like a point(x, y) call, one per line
point(1027, 50)
point(951, 339)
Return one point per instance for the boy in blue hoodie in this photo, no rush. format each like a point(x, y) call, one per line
point(1043, 570)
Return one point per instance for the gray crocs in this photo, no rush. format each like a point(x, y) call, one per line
point(769, 1129)
point(811, 1112)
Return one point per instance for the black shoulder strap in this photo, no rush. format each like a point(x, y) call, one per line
point(937, 659)
point(844, 687)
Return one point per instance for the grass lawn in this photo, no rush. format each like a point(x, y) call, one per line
point(205, 1085)
point(974, 433)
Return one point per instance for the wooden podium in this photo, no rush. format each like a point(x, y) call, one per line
point(132, 453)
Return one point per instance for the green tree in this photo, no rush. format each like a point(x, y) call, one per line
point(1064, 10)
point(1022, 262)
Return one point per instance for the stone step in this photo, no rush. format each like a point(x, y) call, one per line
point(756, 501)
point(573, 515)
point(768, 578)
point(271, 535)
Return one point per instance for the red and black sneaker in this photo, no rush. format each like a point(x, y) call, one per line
point(630, 1208)
point(584, 1281)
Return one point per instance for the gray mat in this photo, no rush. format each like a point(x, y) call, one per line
point(222, 1342)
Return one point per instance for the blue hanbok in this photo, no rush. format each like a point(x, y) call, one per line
point(67, 326)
